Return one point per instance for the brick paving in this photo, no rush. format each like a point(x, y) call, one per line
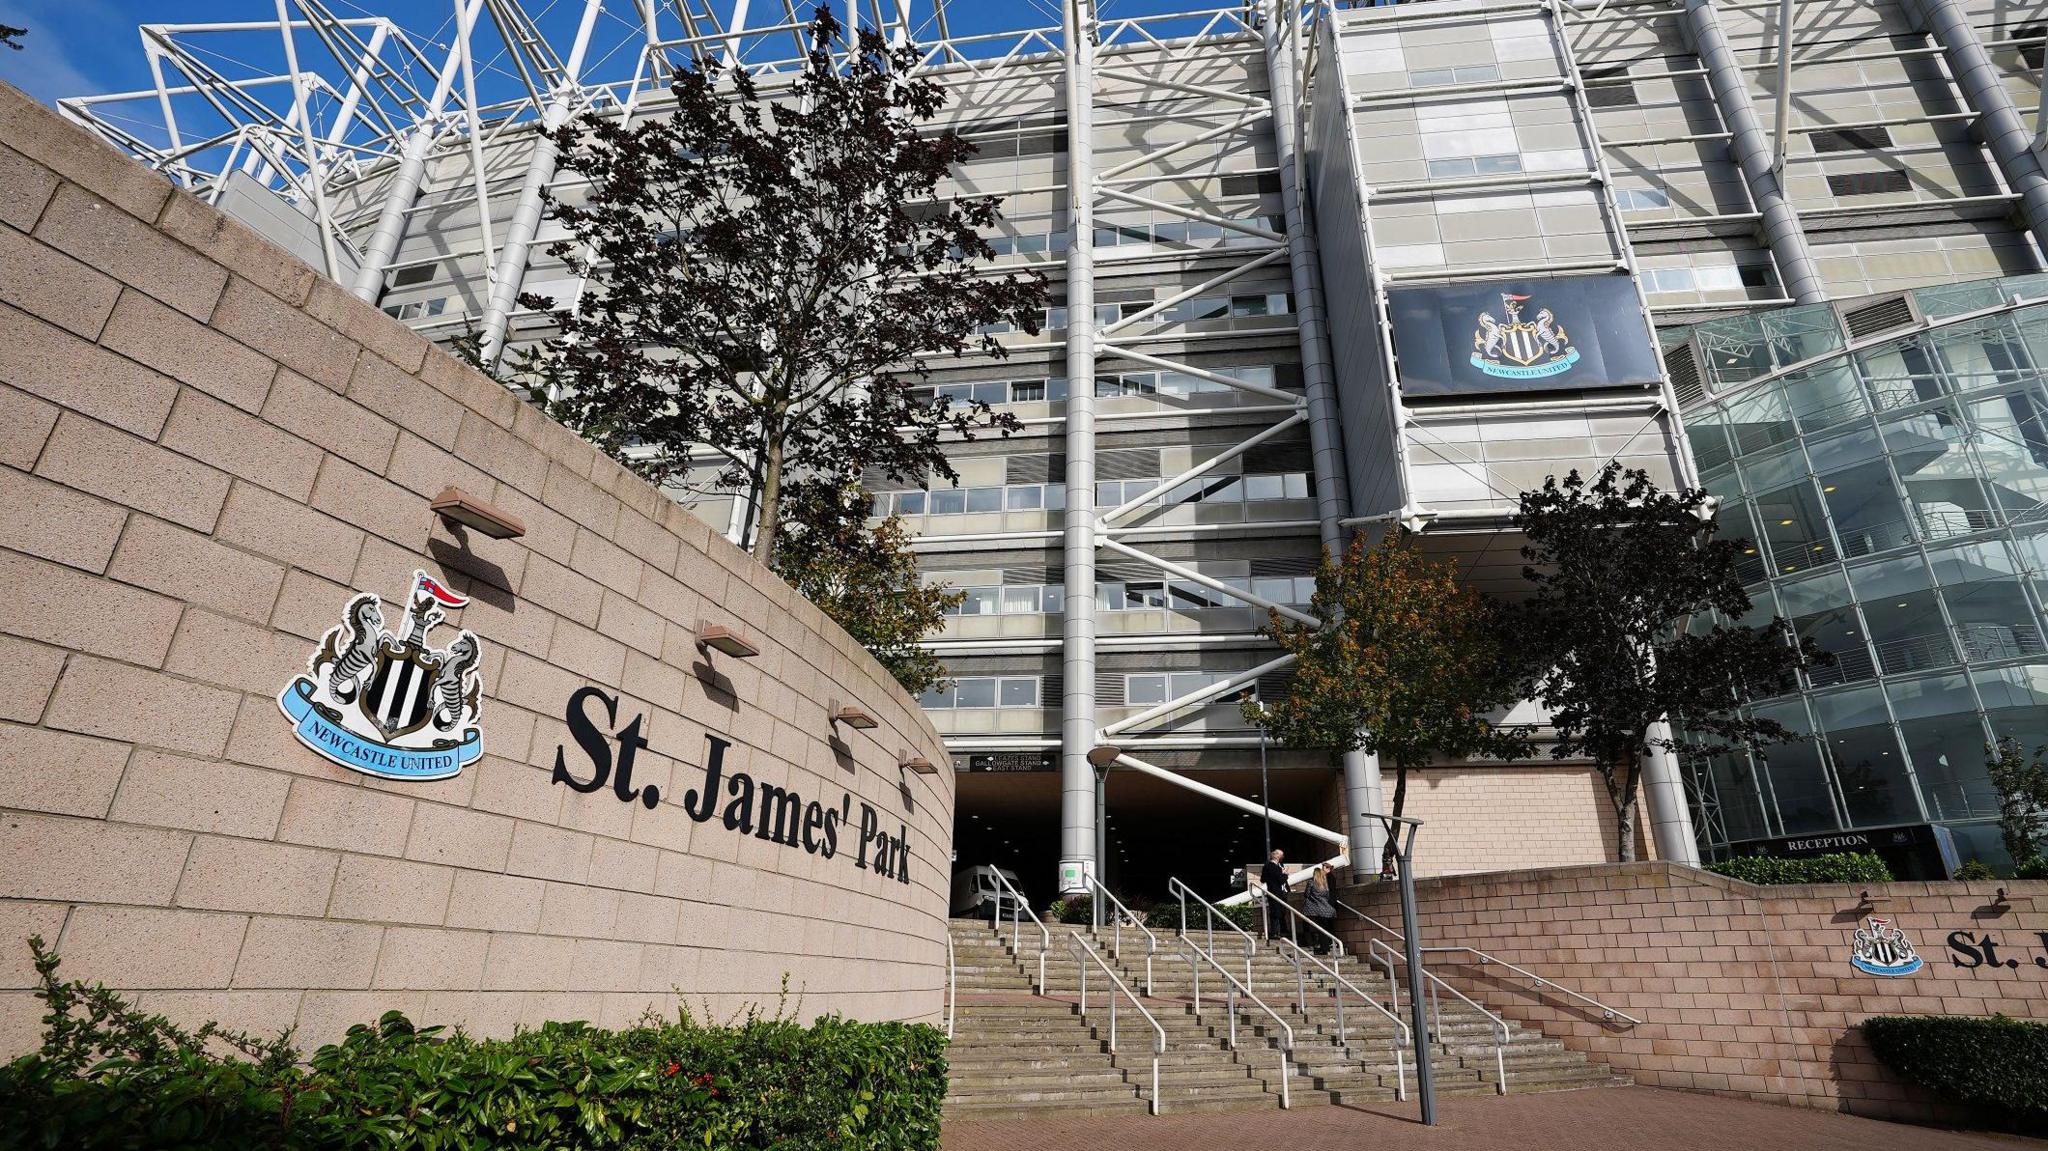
point(1609, 1119)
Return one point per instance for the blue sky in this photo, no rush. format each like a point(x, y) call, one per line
point(80, 47)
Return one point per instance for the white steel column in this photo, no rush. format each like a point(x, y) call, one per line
point(312, 159)
point(1752, 153)
point(1664, 797)
point(405, 182)
point(1999, 124)
point(1077, 698)
point(1362, 794)
point(510, 272)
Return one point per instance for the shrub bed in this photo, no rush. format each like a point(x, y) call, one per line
point(1845, 867)
point(1996, 1063)
point(109, 1076)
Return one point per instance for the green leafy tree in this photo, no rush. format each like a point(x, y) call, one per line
point(1406, 664)
point(1618, 568)
point(865, 578)
point(773, 277)
point(2021, 785)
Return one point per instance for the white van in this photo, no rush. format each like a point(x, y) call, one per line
point(976, 893)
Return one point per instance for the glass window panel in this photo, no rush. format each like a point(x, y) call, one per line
point(1056, 388)
point(975, 692)
point(1055, 496)
point(1496, 165)
point(948, 502)
point(1138, 596)
point(1795, 777)
point(1297, 485)
point(1707, 429)
point(1188, 596)
point(1865, 753)
point(1450, 169)
point(1818, 608)
point(1869, 516)
point(1794, 528)
point(1109, 493)
point(1181, 683)
point(1025, 497)
point(980, 600)
point(936, 699)
point(1021, 600)
point(984, 499)
point(1276, 590)
point(1945, 741)
point(1020, 693)
point(1993, 616)
point(1759, 418)
point(1145, 689)
point(1265, 487)
point(1738, 787)
point(1772, 468)
point(1825, 396)
point(1053, 599)
point(910, 503)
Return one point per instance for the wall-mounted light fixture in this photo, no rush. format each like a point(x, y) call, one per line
point(718, 637)
point(459, 507)
point(916, 763)
point(853, 717)
point(1104, 754)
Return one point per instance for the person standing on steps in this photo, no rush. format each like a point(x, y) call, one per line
point(1316, 902)
point(1273, 878)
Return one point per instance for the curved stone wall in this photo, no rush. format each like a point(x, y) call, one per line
point(207, 453)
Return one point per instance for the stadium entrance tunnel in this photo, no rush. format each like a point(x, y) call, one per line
point(1155, 830)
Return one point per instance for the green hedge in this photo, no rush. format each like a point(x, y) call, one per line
point(1846, 867)
point(110, 1077)
point(1996, 1063)
point(1167, 916)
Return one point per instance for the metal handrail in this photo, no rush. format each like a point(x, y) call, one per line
point(1436, 984)
point(1016, 926)
point(952, 985)
point(1195, 952)
point(1304, 917)
point(1607, 1013)
point(1078, 947)
point(1176, 888)
point(1152, 941)
point(1343, 1036)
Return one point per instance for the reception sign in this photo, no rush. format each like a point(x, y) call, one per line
point(1522, 335)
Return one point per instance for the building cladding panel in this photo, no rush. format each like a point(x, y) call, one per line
point(1445, 144)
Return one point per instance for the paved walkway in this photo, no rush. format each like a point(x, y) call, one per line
point(1607, 1119)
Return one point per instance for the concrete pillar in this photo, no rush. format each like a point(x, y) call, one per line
point(1362, 793)
point(1664, 803)
point(1751, 149)
point(1077, 700)
point(1998, 124)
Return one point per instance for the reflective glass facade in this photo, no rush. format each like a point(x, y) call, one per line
point(1895, 490)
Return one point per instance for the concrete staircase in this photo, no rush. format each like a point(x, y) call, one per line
point(1017, 1051)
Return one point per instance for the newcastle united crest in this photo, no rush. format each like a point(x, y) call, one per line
point(388, 704)
point(1880, 948)
point(1519, 349)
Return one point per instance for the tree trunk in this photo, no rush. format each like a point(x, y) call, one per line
point(1625, 828)
point(768, 517)
point(1388, 852)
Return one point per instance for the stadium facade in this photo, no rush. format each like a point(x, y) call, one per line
point(1319, 271)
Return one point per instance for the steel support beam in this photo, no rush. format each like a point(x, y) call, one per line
point(1077, 700)
point(1752, 153)
point(1999, 124)
point(1362, 789)
point(510, 273)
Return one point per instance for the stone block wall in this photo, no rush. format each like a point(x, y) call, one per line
point(1740, 989)
point(205, 450)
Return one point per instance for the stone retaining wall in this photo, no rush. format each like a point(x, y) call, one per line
point(1742, 990)
point(206, 450)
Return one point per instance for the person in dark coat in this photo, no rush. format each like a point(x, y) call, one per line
point(1273, 878)
point(1321, 907)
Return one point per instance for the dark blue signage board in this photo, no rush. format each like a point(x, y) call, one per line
point(1570, 332)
